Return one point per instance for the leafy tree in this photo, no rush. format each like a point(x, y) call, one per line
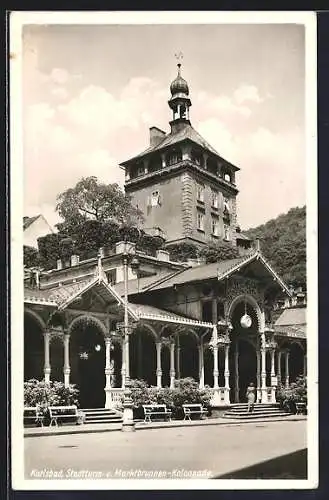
point(283, 243)
point(31, 256)
point(215, 252)
point(92, 200)
point(49, 250)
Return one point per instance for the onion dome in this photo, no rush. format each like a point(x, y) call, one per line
point(179, 85)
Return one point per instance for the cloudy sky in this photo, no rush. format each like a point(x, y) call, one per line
point(90, 94)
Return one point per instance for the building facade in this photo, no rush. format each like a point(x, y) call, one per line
point(225, 324)
point(180, 182)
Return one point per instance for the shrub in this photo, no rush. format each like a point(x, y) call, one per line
point(185, 391)
point(296, 392)
point(54, 393)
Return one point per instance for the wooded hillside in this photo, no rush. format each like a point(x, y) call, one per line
point(283, 243)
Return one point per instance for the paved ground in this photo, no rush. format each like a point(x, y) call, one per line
point(176, 453)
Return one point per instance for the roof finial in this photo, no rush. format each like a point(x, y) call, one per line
point(179, 56)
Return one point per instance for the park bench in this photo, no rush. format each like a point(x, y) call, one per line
point(301, 408)
point(157, 411)
point(195, 409)
point(62, 414)
point(33, 415)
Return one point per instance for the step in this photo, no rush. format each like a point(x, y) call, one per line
point(256, 417)
point(98, 410)
point(264, 412)
point(255, 411)
point(117, 420)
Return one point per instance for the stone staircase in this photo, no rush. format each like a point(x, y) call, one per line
point(239, 411)
point(101, 416)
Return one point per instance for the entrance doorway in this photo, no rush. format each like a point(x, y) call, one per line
point(87, 360)
point(242, 354)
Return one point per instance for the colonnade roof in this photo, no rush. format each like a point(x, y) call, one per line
point(143, 311)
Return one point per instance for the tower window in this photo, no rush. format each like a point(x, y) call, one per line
point(226, 211)
point(173, 157)
point(227, 236)
point(215, 226)
point(140, 170)
point(212, 166)
point(200, 221)
point(227, 177)
point(155, 199)
point(196, 157)
point(200, 192)
point(214, 198)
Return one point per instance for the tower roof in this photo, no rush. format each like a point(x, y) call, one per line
point(179, 85)
point(186, 133)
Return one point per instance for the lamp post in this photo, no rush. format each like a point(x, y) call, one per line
point(128, 421)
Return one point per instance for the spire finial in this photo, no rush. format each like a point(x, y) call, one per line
point(179, 56)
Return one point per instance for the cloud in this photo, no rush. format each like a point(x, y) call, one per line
point(89, 131)
point(247, 93)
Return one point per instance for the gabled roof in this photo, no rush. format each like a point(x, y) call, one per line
point(292, 323)
point(219, 270)
point(292, 316)
point(143, 311)
point(27, 221)
point(186, 133)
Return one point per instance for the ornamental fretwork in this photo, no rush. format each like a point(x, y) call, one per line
point(244, 286)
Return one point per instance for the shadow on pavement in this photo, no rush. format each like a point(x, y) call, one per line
point(291, 466)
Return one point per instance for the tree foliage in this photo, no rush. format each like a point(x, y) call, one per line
point(181, 252)
point(30, 256)
point(283, 243)
point(216, 252)
point(93, 200)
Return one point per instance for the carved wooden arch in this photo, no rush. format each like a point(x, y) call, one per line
point(144, 325)
point(35, 316)
point(299, 343)
point(253, 303)
point(92, 319)
point(187, 331)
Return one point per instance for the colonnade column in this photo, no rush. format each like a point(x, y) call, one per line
point(279, 354)
point(107, 372)
point(158, 346)
point(273, 388)
point(263, 369)
point(227, 376)
point(172, 364)
point(123, 364)
point(47, 368)
point(236, 370)
point(215, 372)
point(258, 396)
point(67, 369)
point(201, 366)
point(178, 358)
point(287, 369)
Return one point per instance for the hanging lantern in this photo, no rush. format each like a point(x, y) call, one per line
point(84, 356)
point(246, 320)
point(97, 347)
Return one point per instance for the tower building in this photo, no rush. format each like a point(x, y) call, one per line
point(180, 182)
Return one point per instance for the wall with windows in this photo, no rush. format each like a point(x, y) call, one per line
point(161, 204)
point(214, 213)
